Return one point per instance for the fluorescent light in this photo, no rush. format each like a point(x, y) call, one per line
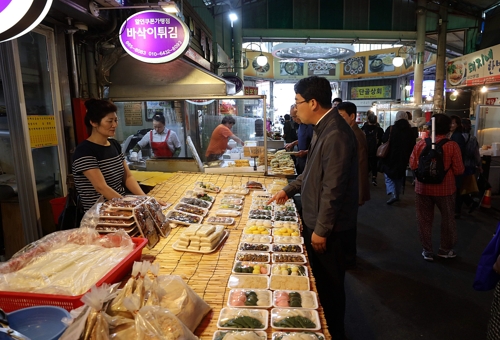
point(397, 61)
point(169, 7)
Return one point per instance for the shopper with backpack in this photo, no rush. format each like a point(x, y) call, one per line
point(374, 134)
point(435, 170)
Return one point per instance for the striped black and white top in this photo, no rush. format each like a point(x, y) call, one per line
point(109, 159)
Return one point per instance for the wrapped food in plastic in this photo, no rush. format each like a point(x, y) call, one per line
point(182, 301)
point(154, 293)
point(139, 289)
point(66, 262)
point(160, 323)
point(97, 326)
point(116, 307)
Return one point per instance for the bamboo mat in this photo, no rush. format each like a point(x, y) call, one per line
point(207, 274)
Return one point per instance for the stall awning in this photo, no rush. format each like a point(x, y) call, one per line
point(132, 79)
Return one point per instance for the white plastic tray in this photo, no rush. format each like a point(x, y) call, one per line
point(191, 193)
point(236, 201)
point(197, 218)
point(287, 248)
point(219, 335)
point(289, 239)
point(309, 298)
point(256, 238)
point(238, 190)
point(213, 187)
point(287, 258)
point(278, 314)
point(226, 206)
point(252, 256)
point(220, 220)
point(254, 246)
point(250, 231)
point(231, 313)
point(248, 264)
point(286, 219)
point(227, 213)
point(238, 298)
point(248, 281)
point(261, 206)
point(283, 282)
point(118, 223)
point(236, 196)
point(260, 223)
point(297, 336)
point(197, 202)
point(184, 206)
point(279, 268)
point(224, 236)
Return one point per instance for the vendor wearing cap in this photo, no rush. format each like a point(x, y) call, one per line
point(164, 142)
point(220, 137)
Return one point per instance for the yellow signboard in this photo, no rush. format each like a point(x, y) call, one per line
point(253, 69)
point(42, 131)
point(371, 92)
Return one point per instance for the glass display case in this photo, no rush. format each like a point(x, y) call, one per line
point(487, 129)
point(386, 112)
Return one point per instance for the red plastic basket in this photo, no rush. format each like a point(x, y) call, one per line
point(11, 301)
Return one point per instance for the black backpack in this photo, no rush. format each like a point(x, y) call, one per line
point(372, 141)
point(430, 163)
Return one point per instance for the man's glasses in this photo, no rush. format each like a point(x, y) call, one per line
point(304, 101)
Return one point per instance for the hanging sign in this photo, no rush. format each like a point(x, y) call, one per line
point(154, 36)
point(477, 68)
point(18, 17)
point(372, 92)
point(251, 90)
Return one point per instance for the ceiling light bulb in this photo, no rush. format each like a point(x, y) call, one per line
point(408, 87)
point(233, 16)
point(261, 60)
point(454, 95)
point(484, 89)
point(397, 61)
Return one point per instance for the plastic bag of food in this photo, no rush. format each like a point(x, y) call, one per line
point(121, 328)
point(68, 262)
point(154, 293)
point(181, 300)
point(139, 289)
point(91, 217)
point(97, 327)
point(160, 323)
point(116, 307)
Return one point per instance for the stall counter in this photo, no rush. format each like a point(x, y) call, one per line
point(208, 274)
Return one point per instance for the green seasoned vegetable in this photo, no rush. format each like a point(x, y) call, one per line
point(295, 322)
point(220, 336)
point(284, 334)
point(243, 322)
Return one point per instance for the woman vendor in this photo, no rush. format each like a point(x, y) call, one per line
point(99, 166)
point(164, 142)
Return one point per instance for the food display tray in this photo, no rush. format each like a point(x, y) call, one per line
point(227, 206)
point(229, 313)
point(191, 193)
point(236, 190)
point(219, 335)
point(297, 336)
point(289, 258)
point(236, 296)
point(11, 301)
point(252, 256)
point(246, 264)
point(113, 229)
point(311, 296)
point(254, 246)
point(171, 212)
point(222, 239)
point(289, 239)
point(248, 281)
point(214, 188)
point(250, 231)
point(235, 196)
point(278, 314)
point(180, 206)
point(227, 213)
point(117, 225)
point(283, 282)
point(197, 202)
point(220, 220)
point(256, 238)
point(236, 201)
point(277, 269)
point(286, 219)
point(287, 248)
point(260, 223)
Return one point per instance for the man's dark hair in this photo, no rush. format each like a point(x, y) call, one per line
point(317, 88)
point(348, 107)
point(458, 121)
point(338, 100)
point(287, 117)
point(228, 119)
point(466, 125)
point(372, 118)
point(442, 123)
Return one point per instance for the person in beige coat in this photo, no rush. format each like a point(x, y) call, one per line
point(348, 111)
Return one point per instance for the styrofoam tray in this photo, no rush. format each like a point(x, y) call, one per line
point(278, 314)
point(226, 206)
point(297, 336)
point(238, 190)
point(197, 202)
point(283, 282)
point(235, 196)
point(254, 246)
point(309, 298)
point(219, 335)
point(248, 281)
point(265, 267)
point(236, 201)
point(210, 186)
point(288, 239)
point(278, 269)
point(254, 256)
point(196, 219)
point(195, 209)
point(191, 193)
point(286, 219)
point(238, 298)
point(117, 224)
point(263, 207)
point(232, 313)
point(289, 258)
point(287, 248)
point(250, 231)
point(260, 223)
point(227, 213)
point(220, 220)
point(256, 238)
point(224, 236)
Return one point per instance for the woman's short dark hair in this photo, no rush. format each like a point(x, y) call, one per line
point(287, 117)
point(159, 117)
point(228, 119)
point(372, 118)
point(458, 121)
point(97, 109)
point(466, 125)
point(317, 88)
point(442, 123)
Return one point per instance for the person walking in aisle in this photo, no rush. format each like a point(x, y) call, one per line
point(394, 165)
point(374, 134)
point(289, 132)
point(348, 111)
point(441, 195)
point(472, 164)
point(304, 137)
point(329, 191)
point(455, 134)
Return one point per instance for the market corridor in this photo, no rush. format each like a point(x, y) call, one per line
point(394, 294)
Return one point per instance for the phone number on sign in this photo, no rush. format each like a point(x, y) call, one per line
point(154, 54)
